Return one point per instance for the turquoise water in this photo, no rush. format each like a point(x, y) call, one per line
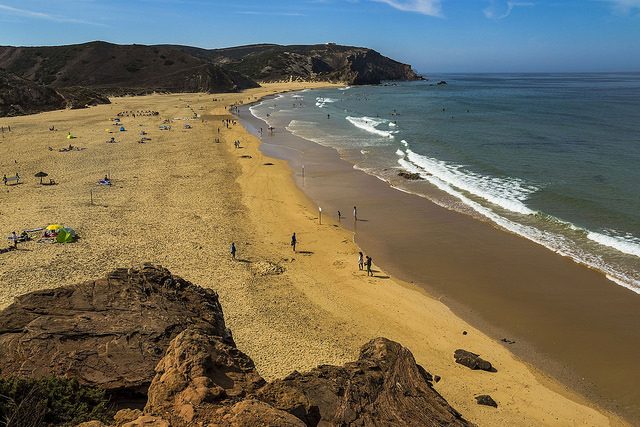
point(552, 157)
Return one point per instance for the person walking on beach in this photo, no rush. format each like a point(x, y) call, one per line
point(369, 272)
point(360, 261)
point(294, 241)
point(355, 213)
point(14, 237)
point(233, 250)
point(339, 216)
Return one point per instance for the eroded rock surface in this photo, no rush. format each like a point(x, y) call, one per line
point(384, 386)
point(109, 333)
point(198, 374)
point(144, 325)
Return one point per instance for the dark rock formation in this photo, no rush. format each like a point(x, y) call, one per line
point(109, 333)
point(410, 176)
point(384, 386)
point(19, 96)
point(441, 83)
point(112, 332)
point(486, 400)
point(472, 360)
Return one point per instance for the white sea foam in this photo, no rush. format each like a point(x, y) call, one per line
point(627, 244)
point(392, 125)
point(255, 112)
point(508, 193)
point(322, 102)
point(345, 88)
point(555, 242)
point(369, 124)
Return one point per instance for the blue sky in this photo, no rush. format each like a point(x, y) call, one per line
point(432, 35)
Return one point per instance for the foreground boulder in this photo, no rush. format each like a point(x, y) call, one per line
point(202, 381)
point(110, 332)
point(198, 374)
point(145, 326)
point(384, 386)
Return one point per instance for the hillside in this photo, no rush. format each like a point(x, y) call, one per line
point(19, 96)
point(108, 66)
point(85, 74)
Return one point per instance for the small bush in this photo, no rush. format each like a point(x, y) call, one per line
point(132, 67)
point(51, 401)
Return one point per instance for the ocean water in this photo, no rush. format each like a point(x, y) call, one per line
point(554, 158)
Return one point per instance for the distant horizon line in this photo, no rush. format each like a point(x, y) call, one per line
point(426, 74)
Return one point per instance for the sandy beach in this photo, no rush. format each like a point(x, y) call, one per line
point(548, 309)
point(180, 199)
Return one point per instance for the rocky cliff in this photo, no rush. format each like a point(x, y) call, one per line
point(146, 331)
point(324, 62)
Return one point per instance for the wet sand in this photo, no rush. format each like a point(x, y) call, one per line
point(566, 319)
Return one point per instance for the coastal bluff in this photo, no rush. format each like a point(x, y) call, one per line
point(147, 336)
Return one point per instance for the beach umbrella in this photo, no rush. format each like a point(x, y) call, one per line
point(41, 175)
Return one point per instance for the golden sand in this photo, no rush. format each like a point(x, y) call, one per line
point(180, 199)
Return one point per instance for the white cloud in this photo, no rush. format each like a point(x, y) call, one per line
point(625, 6)
point(425, 7)
point(41, 15)
point(501, 10)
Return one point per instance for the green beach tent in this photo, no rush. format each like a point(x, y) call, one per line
point(66, 235)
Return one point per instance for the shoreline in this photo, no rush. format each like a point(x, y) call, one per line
point(328, 176)
point(180, 199)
